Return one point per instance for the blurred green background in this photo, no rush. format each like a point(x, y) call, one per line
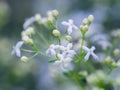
point(16, 75)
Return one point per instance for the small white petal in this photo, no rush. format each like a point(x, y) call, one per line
point(18, 53)
point(95, 56)
point(28, 22)
point(85, 48)
point(87, 56)
point(93, 48)
point(65, 23)
point(69, 46)
point(69, 30)
point(70, 21)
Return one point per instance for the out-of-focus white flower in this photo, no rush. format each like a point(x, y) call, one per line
point(104, 44)
point(101, 40)
point(70, 25)
point(16, 49)
point(115, 33)
point(90, 52)
point(98, 37)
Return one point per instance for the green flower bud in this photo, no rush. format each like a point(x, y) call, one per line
point(24, 59)
point(68, 38)
point(114, 65)
point(56, 33)
point(37, 17)
point(55, 13)
point(29, 31)
point(108, 60)
point(27, 40)
point(85, 28)
point(83, 73)
point(90, 18)
point(116, 52)
point(85, 21)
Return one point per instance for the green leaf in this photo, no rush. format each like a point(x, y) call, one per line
point(52, 61)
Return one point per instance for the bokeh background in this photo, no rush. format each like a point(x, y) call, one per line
point(37, 74)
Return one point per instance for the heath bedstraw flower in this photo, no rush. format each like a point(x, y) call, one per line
point(51, 50)
point(16, 49)
point(90, 52)
point(63, 61)
point(70, 25)
point(68, 51)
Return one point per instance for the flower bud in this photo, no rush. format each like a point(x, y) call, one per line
point(90, 18)
point(56, 33)
point(55, 13)
point(68, 38)
point(116, 52)
point(85, 28)
point(24, 59)
point(83, 73)
point(92, 79)
point(114, 65)
point(30, 31)
point(108, 60)
point(37, 17)
point(27, 40)
point(85, 21)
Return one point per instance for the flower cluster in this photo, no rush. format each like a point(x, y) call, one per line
point(42, 36)
point(63, 55)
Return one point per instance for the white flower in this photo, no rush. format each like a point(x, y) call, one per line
point(51, 50)
point(70, 25)
point(90, 52)
point(63, 62)
point(68, 51)
point(104, 44)
point(16, 49)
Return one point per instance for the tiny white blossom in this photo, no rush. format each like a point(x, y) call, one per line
point(70, 25)
point(63, 62)
point(90, 52)
point(51, 50)
point(16, 49)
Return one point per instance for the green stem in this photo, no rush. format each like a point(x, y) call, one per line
point(82, 42)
